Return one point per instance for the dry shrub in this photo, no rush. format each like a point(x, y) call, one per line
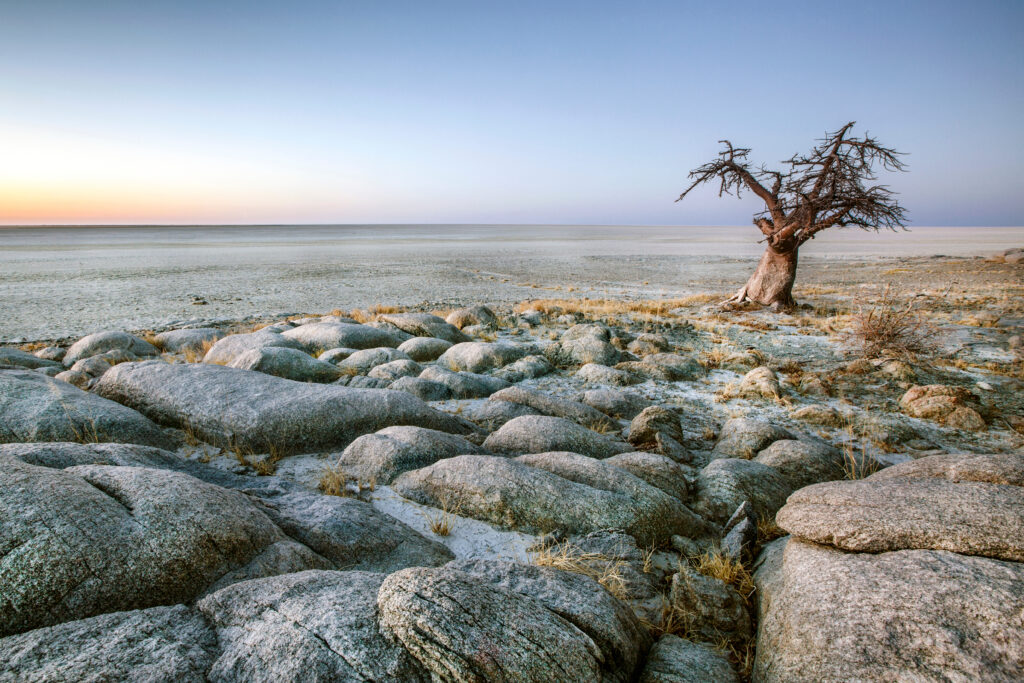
point(32, 347)
point(567, 557)
point(891, 325)
point(599, 307)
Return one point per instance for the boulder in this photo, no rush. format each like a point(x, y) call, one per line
point(396, 369)
point(743, 437)
point(527, 367)
point(54, 353)
point(514, 495)
point(192, 339)
point(16, 358)
point(383, 456)
point(423, 389)
point(94, 366)
point(425, 325)
point(364, 382)
point(897, 513)
point(464, 384)
point(645, 344)
point(287, 363)
point(654, 420)
point(93, 539)
point(675, 660)
point(512, 623)
point(594, 373)
point(232, 346)
point(582, 344)
point(472, 315)
point(424, 349)
point(619, 404)
point(998, 468)
point(293, 417)
point(38, 408)
point(818, 414)
point(724, 484)
point(312, 625)
point(350, 533)
point(481, 356)
point(955, 407)
point(761, 382)
point(803, 463)
point(361, 362)
point(99, 342)
point(336, 355)
point(915, 614)
point(886, 430)
point(346, 335)
point(609, 623)
point(491, 415)
point(657, 470)
point(541, 434)
point(77, 378)
point(713, 610)
point(654, 503)
point(668, 367)
point(546, 404)
point(156, 644)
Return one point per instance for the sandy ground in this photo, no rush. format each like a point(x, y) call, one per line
point(57, 283)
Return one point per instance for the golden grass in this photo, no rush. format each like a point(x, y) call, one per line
point(334, 482)
point(268, 465)
point(442, 520)
point(193, 355)
point(32, 347)
point(567, 557)
point(856, 466)
point(768, 530)
point(727, 570)
point(601, 307)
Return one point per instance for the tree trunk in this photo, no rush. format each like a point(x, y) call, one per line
point(772, 282)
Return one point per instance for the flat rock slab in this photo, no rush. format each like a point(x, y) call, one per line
point(229, 407)
point(514, 495)
point(905, 615)
point(972, 518)
point(997, 468)
point(156, 644)
point(37, 408)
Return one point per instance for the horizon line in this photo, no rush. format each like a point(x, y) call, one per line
point(474, 224)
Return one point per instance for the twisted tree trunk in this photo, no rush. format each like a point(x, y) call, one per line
point(772, 282)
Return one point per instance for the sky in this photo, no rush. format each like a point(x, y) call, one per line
point(491, 112)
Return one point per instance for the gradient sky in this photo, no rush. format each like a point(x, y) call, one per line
point(487, 112)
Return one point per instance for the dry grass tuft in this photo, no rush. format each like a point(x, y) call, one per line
point(268, 466)
point(726, 570)
point(768, 530)
point(567, 557)
point(32, 347)
point(442, 520)
point(892, 326)
point(197, 355)
point(334, 482)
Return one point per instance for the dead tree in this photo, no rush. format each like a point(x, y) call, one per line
point(827, 188)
